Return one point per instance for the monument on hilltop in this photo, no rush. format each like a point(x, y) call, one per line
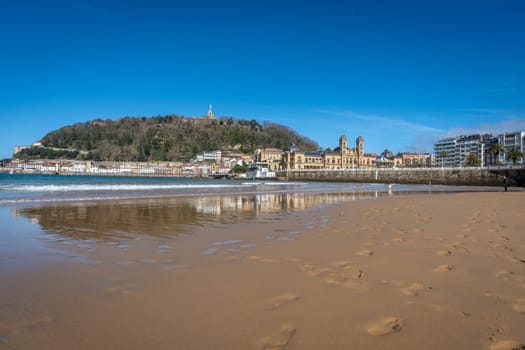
point(210, 114)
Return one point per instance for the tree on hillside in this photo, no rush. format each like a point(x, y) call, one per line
point(166, 138)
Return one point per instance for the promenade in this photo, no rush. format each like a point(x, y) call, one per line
point(492, 176)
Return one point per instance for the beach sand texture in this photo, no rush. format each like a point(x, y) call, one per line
point(444, 271)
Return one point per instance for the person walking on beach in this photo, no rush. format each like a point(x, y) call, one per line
point(505, 183)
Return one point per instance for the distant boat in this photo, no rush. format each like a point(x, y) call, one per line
point(11, 172)
point(259, 170)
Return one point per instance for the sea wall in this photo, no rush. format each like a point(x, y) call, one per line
point(446, 176)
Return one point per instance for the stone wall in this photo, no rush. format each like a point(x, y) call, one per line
point(437, 176)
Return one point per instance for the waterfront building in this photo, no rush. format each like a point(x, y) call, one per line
point(509, 141)
point(272, 156)
point(214, 156)
point(444, 152)
point(210, 156)
point(49, 167)
point(459, 150)
point(412, 159)
point(341, 157)
point(468, 147)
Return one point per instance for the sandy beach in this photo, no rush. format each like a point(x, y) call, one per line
point(445, 271)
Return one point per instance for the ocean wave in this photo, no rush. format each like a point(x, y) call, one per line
point(114, 187)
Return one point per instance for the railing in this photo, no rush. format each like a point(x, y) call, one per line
point(491, 167)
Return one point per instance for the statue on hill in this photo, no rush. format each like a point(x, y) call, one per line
point(210, 114)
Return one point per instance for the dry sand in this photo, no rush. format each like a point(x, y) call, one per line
point(426, 272)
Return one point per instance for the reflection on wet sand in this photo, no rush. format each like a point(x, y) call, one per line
point(168, 217)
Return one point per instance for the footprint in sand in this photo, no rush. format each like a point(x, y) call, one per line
point(386, 326)
point(443, 252)
point(515, 259)
point(279, 340)
point(335, 279)
point(502, 246)
point(283, 299)
point(366, 252)
point(444, 268)
point(519, 306)
point(342, 263)
point(505, 275)
point(506, 345)
point(415, 288)
point(308, 267)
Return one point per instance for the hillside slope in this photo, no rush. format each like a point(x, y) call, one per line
point(161, 138)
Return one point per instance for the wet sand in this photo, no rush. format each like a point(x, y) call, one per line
point(425, 272)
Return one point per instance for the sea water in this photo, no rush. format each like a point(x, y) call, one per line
point(21, 189)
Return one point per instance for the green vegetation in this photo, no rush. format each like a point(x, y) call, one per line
point(495, 149)
point(443, 154)
point(161, 138)
point(473, 160)
point(240, 168)
point(514, 154)
point(46, 153)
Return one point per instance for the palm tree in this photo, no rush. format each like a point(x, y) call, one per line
point(514, 154)
point(473, 160)
point(495, 149)
point(443, 154)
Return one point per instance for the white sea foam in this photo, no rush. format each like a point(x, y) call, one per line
point(108, 187)
point(273, 183)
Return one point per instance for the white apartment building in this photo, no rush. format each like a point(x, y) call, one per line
point(214, 156)
point(509, 141)
point(456, 151)
point(470, 146)
point(445, 152)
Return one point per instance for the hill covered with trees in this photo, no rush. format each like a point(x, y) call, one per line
point(161, 138)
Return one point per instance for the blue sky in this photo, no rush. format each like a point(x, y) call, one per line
point(400, 73)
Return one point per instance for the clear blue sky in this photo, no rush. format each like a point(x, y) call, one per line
point(399, 73)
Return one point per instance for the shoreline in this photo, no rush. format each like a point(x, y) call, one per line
point(488, 176)
point(344, 197)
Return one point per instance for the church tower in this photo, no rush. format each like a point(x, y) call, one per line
point(210, 114)
point(360, 148)
point(343, 144)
